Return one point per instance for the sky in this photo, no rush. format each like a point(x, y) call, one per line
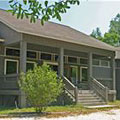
point(88, 15)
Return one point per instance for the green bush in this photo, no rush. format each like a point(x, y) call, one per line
point(41, 86)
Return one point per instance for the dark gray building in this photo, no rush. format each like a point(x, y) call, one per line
point(86, 64)
point(117, 61)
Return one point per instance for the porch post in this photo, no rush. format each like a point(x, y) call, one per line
point(23, 56)
point(90, 66)
point(61, 62)
point(113, 76)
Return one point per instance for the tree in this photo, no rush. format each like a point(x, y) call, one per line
point(41, 86)
point(111, 37)
point(115, 29)
point(35, 9)
point(96, 33)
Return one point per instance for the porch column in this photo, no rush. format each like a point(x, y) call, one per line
point(23, 58)
point(113, 76)
point(61, 62)
point(89, 65)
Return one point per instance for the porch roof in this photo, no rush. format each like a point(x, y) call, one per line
point(52, 30)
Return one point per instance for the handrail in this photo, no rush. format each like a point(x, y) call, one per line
point(71, 89)
point(101, 85)
point(69, 82)
point(99, 88)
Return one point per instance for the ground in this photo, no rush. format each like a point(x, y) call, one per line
point(104, 115)
point(70, 112)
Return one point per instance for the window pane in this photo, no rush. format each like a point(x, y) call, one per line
point(30, 66)
point(11, 67)
point(12, 52)
point(72, 60)
point(96, 62)
point(84, 74)
point(104, 63)
point(31, 54)
point(83, 61)
point(46, 56)
point(56, 58)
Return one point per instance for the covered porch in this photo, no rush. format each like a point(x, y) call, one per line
point(82, 67)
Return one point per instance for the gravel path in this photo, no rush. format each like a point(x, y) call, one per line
point(109, 115)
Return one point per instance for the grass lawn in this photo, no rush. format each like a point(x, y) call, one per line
point(56, 111)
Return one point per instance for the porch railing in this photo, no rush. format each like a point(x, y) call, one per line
point(71, 89)
point(99, 88)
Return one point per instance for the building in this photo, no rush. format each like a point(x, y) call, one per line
point(85, 63)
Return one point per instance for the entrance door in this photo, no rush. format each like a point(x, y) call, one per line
point(83, 74)
point(74, 74)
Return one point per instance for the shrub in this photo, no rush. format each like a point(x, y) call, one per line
point(41, 86)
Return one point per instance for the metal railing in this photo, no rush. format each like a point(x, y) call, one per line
point(99, 88)
point(71, 89)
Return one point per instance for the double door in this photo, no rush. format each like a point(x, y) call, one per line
point(76, 74)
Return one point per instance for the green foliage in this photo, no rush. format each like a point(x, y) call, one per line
point(111, 37)
point(41, 86)
point(34, 9)
point(96, 34)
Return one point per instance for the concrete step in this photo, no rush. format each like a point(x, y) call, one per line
point(94, 103)
point(87, 95)
point(85, 91)
point(88, 98)
point(90, 101)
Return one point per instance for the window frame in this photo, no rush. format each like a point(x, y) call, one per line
point(19, 50)
point(72, 57)
point(100, 65)
point(84, 59)
point(33, 62)
point(96, 60)
point(11, 48)
point(108, 63)
point(52, 55)
point(5, 66)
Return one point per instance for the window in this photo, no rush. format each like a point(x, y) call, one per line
point(11, 66)
point(105, 63)
point(31, 54)
point(72, 59)
point(46, 56)
point(16, 52)
point(96, 62)
point(83, 61)
point(30, 65)
point(101, 63)
point(56, 58)
point(12, 52)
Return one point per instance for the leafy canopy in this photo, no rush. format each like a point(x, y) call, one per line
point(96, 33)
point(111, 37)
point(35, 9)
point(41, 86)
